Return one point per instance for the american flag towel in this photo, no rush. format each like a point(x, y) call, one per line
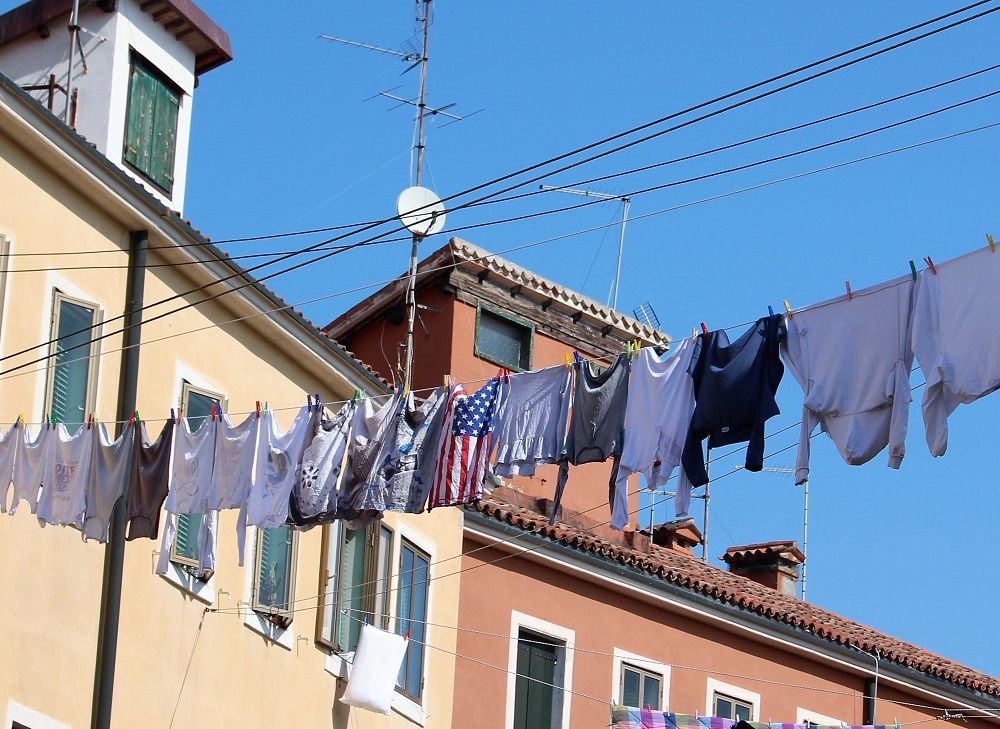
point(465, 446)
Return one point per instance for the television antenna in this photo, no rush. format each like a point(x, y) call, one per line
point(419, 209)
point(626, 201)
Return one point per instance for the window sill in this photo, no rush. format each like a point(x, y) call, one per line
point(409, 708)
point(203, 590)
point(274, 633)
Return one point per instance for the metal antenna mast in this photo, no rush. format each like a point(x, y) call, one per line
point(626, 201)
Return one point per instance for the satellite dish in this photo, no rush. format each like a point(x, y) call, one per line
point(420, 211)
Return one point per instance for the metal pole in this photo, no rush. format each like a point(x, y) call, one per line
point(621, 245)
point(704, 534)
point(411, 288)
point(74, 28)
point(805, 539)
point(114, 551)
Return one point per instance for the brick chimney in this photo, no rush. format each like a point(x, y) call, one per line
point(772, 564)
point(680, 535)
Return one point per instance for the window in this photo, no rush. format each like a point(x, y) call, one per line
point(729, 707)
point(411, 617)
point(151, 124)
point(274, 574)
point(360, 584)
point(72, 376)
point(536, 690)
point(196, 404)
point(640, 688)
point(503, 339)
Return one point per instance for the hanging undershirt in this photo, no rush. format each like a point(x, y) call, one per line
point(32, 465)
point(8, 448)
point(148, 481)
point(371, 439)
point(852, 359)
point(64, 497)
point(409, 468)
point(531, 422)
point(314, 496)
point(109, 471)
point(597, 423)
point(232, 479)
point(734, 389)
point(956, 337)
point(660, 403)
point(278, 460)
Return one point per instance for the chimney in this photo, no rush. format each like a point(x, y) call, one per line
point(772, 564)
point(680, 535)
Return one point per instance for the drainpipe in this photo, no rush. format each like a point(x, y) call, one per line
point(871, 693)
point(114, 551)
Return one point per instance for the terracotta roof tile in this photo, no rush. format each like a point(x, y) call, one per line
point(691, 573)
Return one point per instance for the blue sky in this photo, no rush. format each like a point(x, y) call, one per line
point(284, 141)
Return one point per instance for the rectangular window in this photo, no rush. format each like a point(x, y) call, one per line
point(151, 124)
point(274, 574)
point(536, 694)
point(362, 584)
point(72, 374)
point(640, 688)
point(414, 576)
point(729, 707)
point(503, 339)
point(196, 404)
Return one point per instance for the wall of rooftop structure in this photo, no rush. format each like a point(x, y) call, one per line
point(210, 668)
point(606, 626)
point(103, 88)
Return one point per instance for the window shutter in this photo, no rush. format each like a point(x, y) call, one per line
point(272, 580)
point(349, 589)
point(71, 374)
point(151, 125)
point(186, 544)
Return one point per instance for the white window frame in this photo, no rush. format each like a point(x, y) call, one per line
point(803, 716)
point(269, 611)
point(29, 718)
point(714, 686)
point(59, 296)
point(564, 670)
point(649, 665)
point(257, 622)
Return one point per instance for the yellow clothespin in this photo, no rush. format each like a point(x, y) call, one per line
point(567, 360)
point(20, 419)
point(788, 309)
point(993, 247)
point(446, 383)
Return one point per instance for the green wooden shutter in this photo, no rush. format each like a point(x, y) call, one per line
point(71, 373)
point(274, 568)
point(349, 589)
point(151, 125)
point(533, 699)
point(186, 543)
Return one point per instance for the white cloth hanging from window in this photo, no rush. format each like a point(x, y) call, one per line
point(372, 676)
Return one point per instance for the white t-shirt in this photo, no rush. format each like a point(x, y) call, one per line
point(64, 496)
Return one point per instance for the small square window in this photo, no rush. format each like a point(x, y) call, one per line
point(503, 339)
point(728, 707)
point(640, 688)
point(151, 124)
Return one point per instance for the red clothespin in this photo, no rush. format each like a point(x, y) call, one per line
point(930, 264)
point(406, 635)
point(258, 409)
point(90, 421)
point(849, 294)
point(704, 330)
point(213, 412)
point(131, 418)
point(989, 239)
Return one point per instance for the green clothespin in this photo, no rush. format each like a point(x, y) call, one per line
point(913, 270)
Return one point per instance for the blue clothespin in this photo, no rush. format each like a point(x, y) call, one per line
point(318, 402)
point(577, 357)
point(309, 403)
point(172, 416)
point(770, 311)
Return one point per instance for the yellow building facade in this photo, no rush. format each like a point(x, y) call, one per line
point(192, 649)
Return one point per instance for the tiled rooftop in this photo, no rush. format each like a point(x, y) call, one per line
point(692, 574)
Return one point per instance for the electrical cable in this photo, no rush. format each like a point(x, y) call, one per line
point(621, 135)
point(345, 248)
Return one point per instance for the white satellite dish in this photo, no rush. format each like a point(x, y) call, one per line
point(420, 211)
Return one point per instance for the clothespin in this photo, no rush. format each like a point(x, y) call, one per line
point(20, 419)
point(445, 382)
point(567, 360)
point(406, 635)
point(770, 311)
point(172, 416)
point(788, 309)
point(309, 403)
point(628, 349)
point(694, 332)
point(180, 414)
point(265, 407)
point(90, 421)
point(577, 357)
point(131, 418)
point(913, 271)
point(989, 239)
point(850, 295)
point(364, 620)
point(704, 330)
point(258, 409)
point(319, 403)
point(930, 264)
point(213, 412)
